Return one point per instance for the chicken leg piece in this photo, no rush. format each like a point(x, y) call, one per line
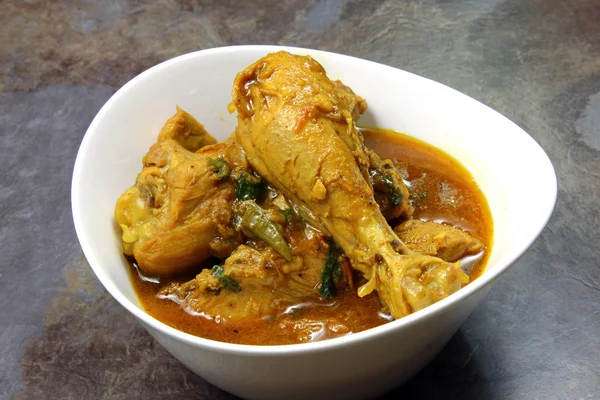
point(299, 134)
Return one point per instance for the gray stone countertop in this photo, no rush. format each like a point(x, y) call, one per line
point(537, 334)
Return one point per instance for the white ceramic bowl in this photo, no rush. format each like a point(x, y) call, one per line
point(512, 170)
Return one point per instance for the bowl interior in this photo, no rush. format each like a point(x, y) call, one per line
point(511, 169)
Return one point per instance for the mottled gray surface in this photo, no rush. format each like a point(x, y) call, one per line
point(537, 335)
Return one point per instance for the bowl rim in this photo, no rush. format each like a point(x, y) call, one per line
point(288, 349)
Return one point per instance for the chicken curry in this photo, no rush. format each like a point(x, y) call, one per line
point(300, 226)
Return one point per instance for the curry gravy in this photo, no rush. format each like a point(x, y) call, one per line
point(441, 190)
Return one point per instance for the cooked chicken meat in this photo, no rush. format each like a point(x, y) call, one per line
point(178, 214)
point(292, 208)
point(187, 131)
point(299, 134)
point(432, 239)
point(255, 281)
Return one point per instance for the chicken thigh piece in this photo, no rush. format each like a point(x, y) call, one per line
point(178, 213)
point(299, 134)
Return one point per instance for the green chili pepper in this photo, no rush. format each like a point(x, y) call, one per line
point(254, 221)
point(222, 168)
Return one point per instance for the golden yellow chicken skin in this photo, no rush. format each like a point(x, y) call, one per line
point(299, 134)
